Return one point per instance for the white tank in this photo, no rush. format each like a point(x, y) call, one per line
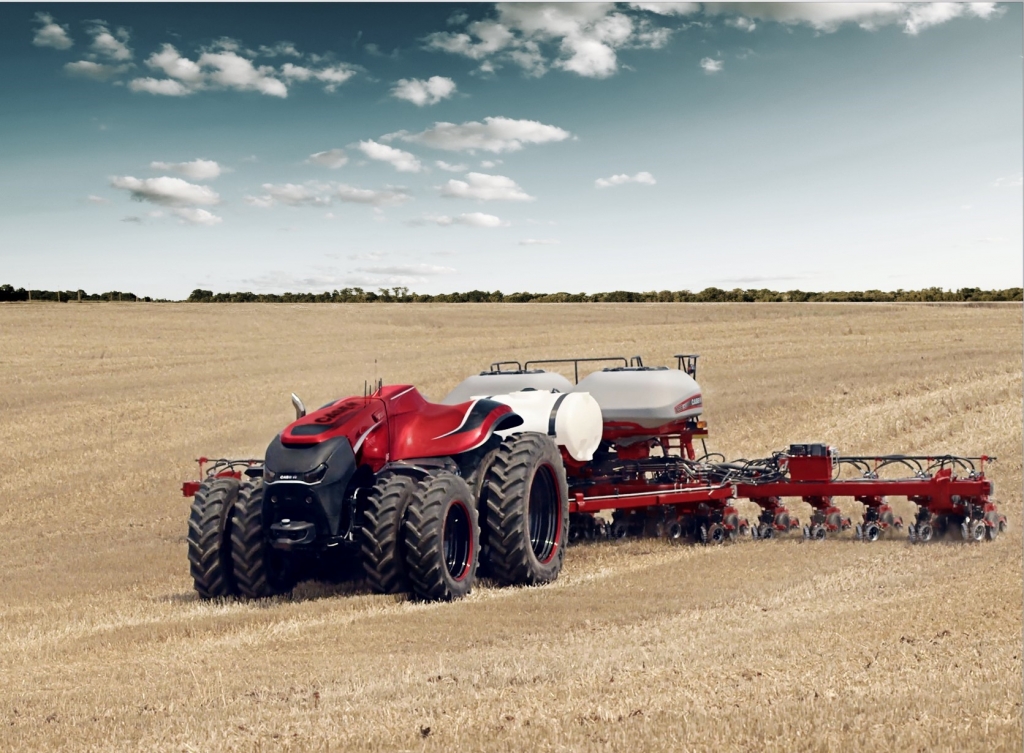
point(572, 419)
point(649, 397)
point(502, 382)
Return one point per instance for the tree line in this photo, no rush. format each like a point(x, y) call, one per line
point(404, 295)
point(708, 295)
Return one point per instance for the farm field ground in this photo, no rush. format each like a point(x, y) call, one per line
point(640, 645)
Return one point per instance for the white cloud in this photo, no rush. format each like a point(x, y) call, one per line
point(484, 187)
point(583, 37)
point(292, 194)
point(710, 65)
point(742, 23)
point(539, 242)
point(1010, 181)
point(644, 178)
point(51, 33)
point(97, 71)
point(163, 86)
point(469, 219)
point(408, 270)
point(314, 193)
point(232, 71)
point(459, 168)
point(173, 64)
point(281, 48)
point(402, 161)
point(93, 199)
point(668, 9)
point(827, 17)
point(110, 45)
point(493, 135)
point(195, 216)
point(333, 76)
point(375, 198)
point(197, 169)
point(170, 192)
point(423, 92)
point(332, 158)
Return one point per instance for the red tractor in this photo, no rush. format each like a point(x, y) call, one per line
point(516, 462)
point(418, 494)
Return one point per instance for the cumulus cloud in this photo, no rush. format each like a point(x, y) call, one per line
point(281, 48)
point(497, 134)
point(232, 71)
point(354, 195)
point(197, 169)
point(408, 270)
point(332, 158)
point(402, 161)
point(93, 199)
point(194, 216)
point(668, 9)
point(51, 34)
point(170, 62)
point(539, 242)
point(162, 86)
point(742, 23)
point(483, 187)
point(170, 192)
point(1010, 181)
point(710, 65)
point(469, 219)
point(111, 45)
point(459, 168)
point(579, 37)
point(93, 70)
point(423, 92)
point(644, 178)
point(827, 17)
point(313, 193)
point(225, 65)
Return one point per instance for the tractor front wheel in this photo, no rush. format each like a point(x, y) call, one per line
point(260, 570)
point(209, 538)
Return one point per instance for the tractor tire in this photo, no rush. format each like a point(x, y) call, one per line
point(382, 535)
point(527, 511)
point(260, 570)
point(442, 538)
point(209, 538)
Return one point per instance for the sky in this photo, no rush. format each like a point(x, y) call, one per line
point(159, 148)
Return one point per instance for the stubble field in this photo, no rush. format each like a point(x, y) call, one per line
point(643, 645)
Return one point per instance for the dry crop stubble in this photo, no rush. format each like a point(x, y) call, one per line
point(640, 645)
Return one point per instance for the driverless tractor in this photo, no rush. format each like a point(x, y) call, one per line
point(516, 462)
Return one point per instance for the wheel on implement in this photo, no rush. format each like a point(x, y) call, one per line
point(442, 538)
point(260, 570)
point(834, 521)
point(712, 534)
point(994, 524)
point(383, 538)
point(973, 530)
point(871, 531)
point(766, 531)
point(819, 533)
point(528, 511)
point(209, 538)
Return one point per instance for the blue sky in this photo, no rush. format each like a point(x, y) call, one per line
point(159, 148)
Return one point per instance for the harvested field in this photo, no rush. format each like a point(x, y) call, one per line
point(644, 645)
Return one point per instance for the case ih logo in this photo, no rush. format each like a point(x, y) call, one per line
point(332, 415)
point(690, 404)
